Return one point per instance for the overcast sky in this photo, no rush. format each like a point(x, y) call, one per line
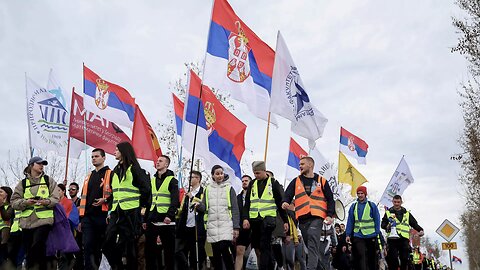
point(381, 69)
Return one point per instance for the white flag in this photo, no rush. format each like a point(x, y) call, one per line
point(401, 179)
point(289, 99)
point(54, 87)
point(48, 119)
point(325, 168)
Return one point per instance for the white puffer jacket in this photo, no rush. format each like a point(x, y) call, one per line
point(220, 225)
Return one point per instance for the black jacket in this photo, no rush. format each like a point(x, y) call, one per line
point(140, 180)
point(154, 216)
point(277, 195)
point(95, 191)
point(399, 215)
point(182, 220)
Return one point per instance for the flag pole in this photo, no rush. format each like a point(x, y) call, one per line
point(68, 138)
point(84, 121)
point(198, 108)
point(266, 138)
point(28, 120)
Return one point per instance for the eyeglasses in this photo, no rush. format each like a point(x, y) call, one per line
point(72, 189)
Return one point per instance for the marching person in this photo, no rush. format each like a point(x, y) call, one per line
point(188, 241)
point(6, 217)
point(73, 189)
point(131, 192)
point(35, 196)
point(93, 209)
point(221, 217)
point(73, 192)
point(314, 206)
point(262, 201)
point(161, 216)
point(363, 227)
point(398, 247)
point(243, 240)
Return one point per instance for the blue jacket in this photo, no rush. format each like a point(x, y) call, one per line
point(351, 219)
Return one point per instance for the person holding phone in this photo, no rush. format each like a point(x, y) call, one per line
point(35, 196)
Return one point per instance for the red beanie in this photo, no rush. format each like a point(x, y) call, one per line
point(362, 189)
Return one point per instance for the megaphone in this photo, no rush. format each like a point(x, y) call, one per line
point(339, 210)
point(393, 230)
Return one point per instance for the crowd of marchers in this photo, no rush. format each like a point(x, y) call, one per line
point(139, 221)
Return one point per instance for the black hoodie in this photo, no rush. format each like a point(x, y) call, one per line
point(154, 216)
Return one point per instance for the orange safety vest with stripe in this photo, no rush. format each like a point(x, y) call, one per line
point(106, 188)
point(315, 204)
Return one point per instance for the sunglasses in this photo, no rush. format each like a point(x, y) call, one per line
point(72, 189)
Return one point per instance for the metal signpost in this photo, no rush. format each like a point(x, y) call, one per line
point(448, 231)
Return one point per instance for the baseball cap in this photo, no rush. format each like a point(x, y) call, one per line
point(37, 160)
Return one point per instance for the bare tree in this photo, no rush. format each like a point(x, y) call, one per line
point(11, 170)
point(469, 46)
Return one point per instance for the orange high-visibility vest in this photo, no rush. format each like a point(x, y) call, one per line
point(107, 192)
point(315, 204)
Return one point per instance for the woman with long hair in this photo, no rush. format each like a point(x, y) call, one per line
point(35, 196)
point(130, 192)
point(221, 217)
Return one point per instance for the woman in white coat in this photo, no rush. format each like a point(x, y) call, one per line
point(221, 217)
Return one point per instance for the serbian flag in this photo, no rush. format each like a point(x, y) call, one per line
point(144, 140)
point(100, 132)
point(238, 61)
point(224, 133)
point(456, 259)
point(295, 153)
point(353, 146)
point(178, 108)
point(108, 100)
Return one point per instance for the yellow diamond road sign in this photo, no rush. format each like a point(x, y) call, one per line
point(447, 230)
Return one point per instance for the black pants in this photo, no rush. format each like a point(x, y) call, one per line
point(398, 248)
point(222, 255)
point(120, 245)
point(262, 240)
point(34, 241)
point(93, 235)
point(153, 256)
point(185, 250)
point(15, 248)
point(365, 253)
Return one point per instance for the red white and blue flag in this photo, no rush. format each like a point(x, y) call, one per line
point(220, 135)
point(353, 146)
point(456, 259)
point(84, 122)
point(178, 108)
point(238, 61)
point(108, 100)
point(295, 153)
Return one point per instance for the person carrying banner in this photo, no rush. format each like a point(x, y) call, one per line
point(93, 209)
point(262, 201)
point(131, 192)
point(161, 216)
point(363, 227)
point(398, 245)
point(35, 196)
point(221, 217)
point(188, 241)
point(314, 205)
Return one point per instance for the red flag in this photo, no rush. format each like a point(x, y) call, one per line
point(100, 132)
point(144, 140)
